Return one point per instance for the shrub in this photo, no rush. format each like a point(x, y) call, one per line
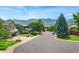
point(26, 35)
point(34, 33)
point(74, 33)
point(29, 35)
point(18, 40)
point(39, 32)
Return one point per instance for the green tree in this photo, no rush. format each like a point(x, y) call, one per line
point(32, 25)
point(3, 33)
point(37, 26)
point(76, 18)
point(40, 25)
point(52, 28)
point(1, 22)
point(62, 27)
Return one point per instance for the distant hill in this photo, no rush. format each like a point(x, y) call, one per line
point(47, 22)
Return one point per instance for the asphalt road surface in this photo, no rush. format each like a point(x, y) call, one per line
point(46, 43)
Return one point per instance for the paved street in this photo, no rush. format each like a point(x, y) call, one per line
point(46, 43)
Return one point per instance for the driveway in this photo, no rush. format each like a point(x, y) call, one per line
point(46, 43)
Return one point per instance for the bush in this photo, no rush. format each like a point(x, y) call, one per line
point(34, 33)
point(18, 40)
point(39, 32)
point(74, 33)
point(29, 35)
point(26, 35)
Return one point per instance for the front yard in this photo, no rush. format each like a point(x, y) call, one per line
point(72, 37)
point(21, 37)
point(6, 44)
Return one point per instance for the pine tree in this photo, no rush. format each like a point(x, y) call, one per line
point(62, 27)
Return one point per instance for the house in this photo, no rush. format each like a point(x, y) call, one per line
point(46, 28)
point(26, 30)
point(73, 29)
point(9, 26)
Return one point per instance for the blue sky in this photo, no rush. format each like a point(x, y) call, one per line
point(28, 12)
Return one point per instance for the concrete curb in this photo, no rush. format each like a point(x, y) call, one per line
point(13, 47)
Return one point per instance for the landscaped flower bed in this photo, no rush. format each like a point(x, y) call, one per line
point(72, 37)
point(6, 44)
point(26, 35)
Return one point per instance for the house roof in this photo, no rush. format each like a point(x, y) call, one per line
point(73, 26)
point(15, 30)
point(9, 26)
point(28, 29)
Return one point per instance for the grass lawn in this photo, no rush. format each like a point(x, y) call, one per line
point(26, 35)
point(5, 44)
point(73, 37)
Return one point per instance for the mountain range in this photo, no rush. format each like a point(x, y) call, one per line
point(47, 22)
